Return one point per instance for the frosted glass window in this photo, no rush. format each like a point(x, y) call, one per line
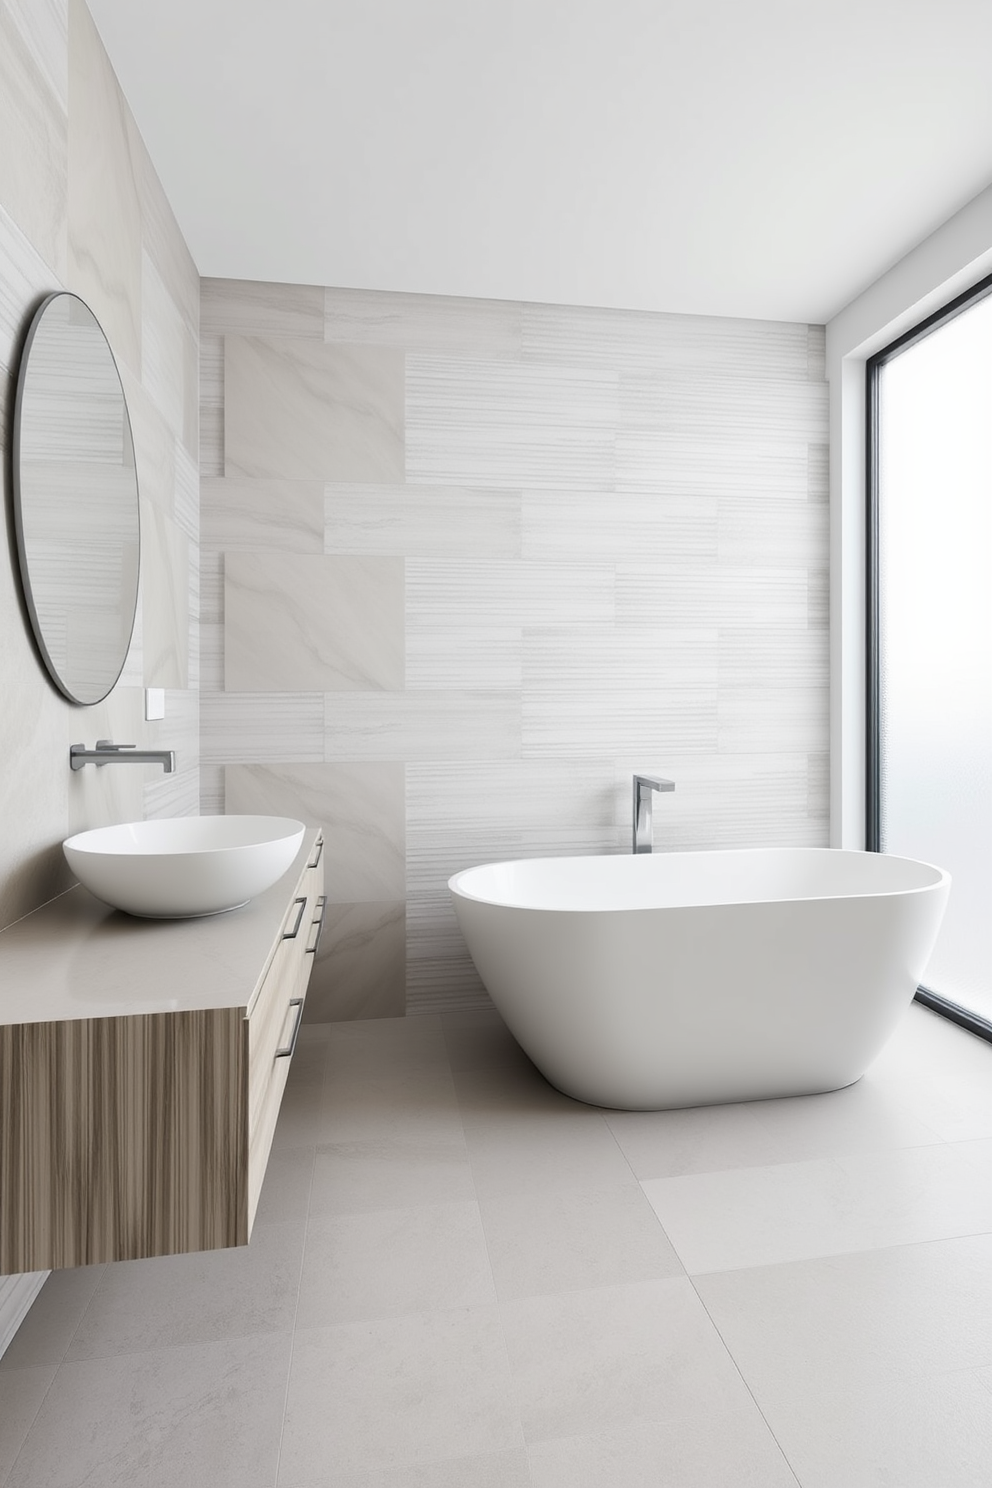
point(935, 631)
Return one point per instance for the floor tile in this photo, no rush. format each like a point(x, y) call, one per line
point(174, 1418)
point(523, 1153)
point(402, 1391)
point(385, 1046)
point(908, 1310)
point(702, 1449)
point(409, 1107)
point(593, 1360)
point(22, 1392)
point(860, 1118)
point(494, 1470)
point(757, 1216)
point(46, 1332)
point(354, 1177)
point(477, 1040)
point(285, 1192)
point(200, 1298)
point(394, 1261)
point(568, 1239)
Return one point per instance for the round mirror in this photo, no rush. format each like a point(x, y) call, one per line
point(75, 499)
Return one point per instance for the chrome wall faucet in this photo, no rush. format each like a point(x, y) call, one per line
point(109, 753)
point(644, 788)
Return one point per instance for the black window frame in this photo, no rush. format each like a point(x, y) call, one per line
point(973, 1022)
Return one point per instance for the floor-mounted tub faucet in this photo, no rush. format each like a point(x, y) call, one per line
point(109, 753)
point(644, 788)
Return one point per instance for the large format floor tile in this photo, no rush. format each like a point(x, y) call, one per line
point(460, 1278)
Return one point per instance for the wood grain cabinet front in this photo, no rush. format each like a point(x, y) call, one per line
point(148, 1133)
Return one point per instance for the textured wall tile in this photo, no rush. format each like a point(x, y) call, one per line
point(818, 598)
point(33, 161)
point(241, 513)
point(771, 533)
point(245, 307)
point(485, 656)
point(818, 472)
point(723, 407)
point(708, 595)
point(489, 328)
point(422, 725)
point(477, 592)
point(598, 725)
point(478, 803)
point(360, 970)
point(298, 623)
point(250, 727)
point(211, 441)
point(765, 719)
point(165, 590)
point(44, 30)
point(211, 634)
point(295, 409)
point(816, 353)
point(771, 656)
point(616, 658)
point(504, 424)
point(104, 206)
point(818, 777)
point(631, 341)
point(422, 521)
point(360, 808)
point(686, 465)
point(154, 446)
point(211, 585)
point(577, 526)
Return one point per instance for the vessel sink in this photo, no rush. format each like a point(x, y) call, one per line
point(185, 866)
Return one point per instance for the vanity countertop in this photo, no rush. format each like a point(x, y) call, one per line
point(75, 957)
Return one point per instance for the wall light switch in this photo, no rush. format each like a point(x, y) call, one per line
point(154, 702)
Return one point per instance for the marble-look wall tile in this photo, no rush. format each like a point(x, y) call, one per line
point(360, 808)
point(186, 506)
point(105, 240)
point(304, 411)
point(264, 514)
point(422, 725)
point(25, 279)
point(298, 623)
point(422, 521)
point(33, 126)
point(509, 424)
point(165, 589)
point(634, 342)
point(246, 307)
point(162, 239)
point(154, 446)
point(590, 526)
point(251, 727)
point(44, 30)
point(360, 969)
point(489, 328)
point(169, 371)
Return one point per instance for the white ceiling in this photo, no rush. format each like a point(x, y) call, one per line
point(763, 158)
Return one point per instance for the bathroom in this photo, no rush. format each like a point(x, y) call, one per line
point(543, 547)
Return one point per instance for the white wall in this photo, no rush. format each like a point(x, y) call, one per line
point(946, 263)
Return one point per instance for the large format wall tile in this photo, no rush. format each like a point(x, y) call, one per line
point(296, 623)
point(104, 207)
point(33, 127)
point(614, 538)
point(360, 808)
point(307, 411)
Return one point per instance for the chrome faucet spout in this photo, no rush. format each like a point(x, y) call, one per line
point(644, 788)
point(109, 753)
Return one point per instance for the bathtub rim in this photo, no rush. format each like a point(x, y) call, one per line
point(942, 880)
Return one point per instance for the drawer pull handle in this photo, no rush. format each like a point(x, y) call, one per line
point(290, 1048)
point(292, 934)
point(320, 849)
point(319, 922)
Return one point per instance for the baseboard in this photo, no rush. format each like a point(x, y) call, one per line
point(16, 1295)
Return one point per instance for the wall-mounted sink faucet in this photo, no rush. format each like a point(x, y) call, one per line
point(644, 788)
point(109, 753)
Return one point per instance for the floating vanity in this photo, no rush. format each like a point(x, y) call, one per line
point(142, 1065)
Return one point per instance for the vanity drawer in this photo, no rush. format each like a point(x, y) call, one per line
point(274, 1020)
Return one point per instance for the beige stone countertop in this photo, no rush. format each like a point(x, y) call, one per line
point(75, 957)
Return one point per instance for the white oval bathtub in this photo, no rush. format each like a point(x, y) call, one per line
point(684, 979)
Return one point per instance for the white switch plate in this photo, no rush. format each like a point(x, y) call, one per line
point(154, 702)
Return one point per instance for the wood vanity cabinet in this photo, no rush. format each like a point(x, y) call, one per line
point(139, 1102)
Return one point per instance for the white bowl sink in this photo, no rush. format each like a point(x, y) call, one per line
point(187, 865)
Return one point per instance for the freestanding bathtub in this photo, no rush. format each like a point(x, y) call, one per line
point(693, 978)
